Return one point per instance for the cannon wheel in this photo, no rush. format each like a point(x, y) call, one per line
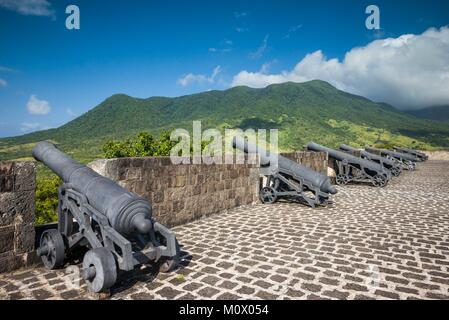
point(168, 265)
point(341, 179)
point(268, 195)
point(100, 271)
point(379, 180)
point(396, 171)
point(52, 249)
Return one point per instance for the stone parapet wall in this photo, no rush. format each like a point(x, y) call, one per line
point(17, 193)
point(438, 155)
point(313, 160)
point(183, 193)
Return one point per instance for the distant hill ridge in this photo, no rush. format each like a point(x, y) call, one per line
point(435, 113)
point(313, 110)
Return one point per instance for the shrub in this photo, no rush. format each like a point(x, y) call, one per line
point(143, 145)
point(47, 200)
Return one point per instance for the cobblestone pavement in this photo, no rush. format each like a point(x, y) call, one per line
point(373, 243)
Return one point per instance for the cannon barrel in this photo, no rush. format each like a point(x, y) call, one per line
point(286, 165)
point(127, 212)
point(416, 153)
point(398, 155)
point(342, 156)
point(372, 156)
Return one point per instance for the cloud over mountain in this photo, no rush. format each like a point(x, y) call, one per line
point(409, 72)
point(199, 78)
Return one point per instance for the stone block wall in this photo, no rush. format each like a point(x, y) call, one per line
point(314, 160)
point(17, 193)
point(438, 155)
point(183, 193)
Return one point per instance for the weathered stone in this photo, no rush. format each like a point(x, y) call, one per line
point(6, 239)
point(7, 262)
point(17, 184)
point(6, 182)
point(24, 237)
point(16, 207)
point(6, 176)
point(24, 176)
point(168, 293)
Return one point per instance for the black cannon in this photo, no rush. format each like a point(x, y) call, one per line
point(389, 164)
point(351, 168)
point(421, 156)
point(288, 179)
point(407, 161)
point(114, 224)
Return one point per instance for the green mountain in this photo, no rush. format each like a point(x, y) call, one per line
point(434, 113)
point(313, 110)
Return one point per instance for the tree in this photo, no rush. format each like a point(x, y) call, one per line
point(143, 145)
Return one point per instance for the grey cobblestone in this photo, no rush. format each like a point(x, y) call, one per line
point(389, 243)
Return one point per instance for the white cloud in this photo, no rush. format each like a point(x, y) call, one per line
point(6, 69)
point(3, 83)
point(71, 113)
point(225, 46)
point(28, 127)
point(240, 14)
point(217, 50)
point(241, 29)
point(29, 7)
point(261, 50)
point(266, 66)
point(292, 30)
point(36, 106)
point(199, 78)
point(409, 72)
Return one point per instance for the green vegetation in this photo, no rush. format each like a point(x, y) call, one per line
point(144, 145)
point(47, 199)
point(434, 113)
point(301, 111)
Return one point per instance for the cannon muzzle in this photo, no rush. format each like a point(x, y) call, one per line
point(393, 154)
point(421, 156)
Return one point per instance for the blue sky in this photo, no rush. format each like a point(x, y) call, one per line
point(147, 48)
